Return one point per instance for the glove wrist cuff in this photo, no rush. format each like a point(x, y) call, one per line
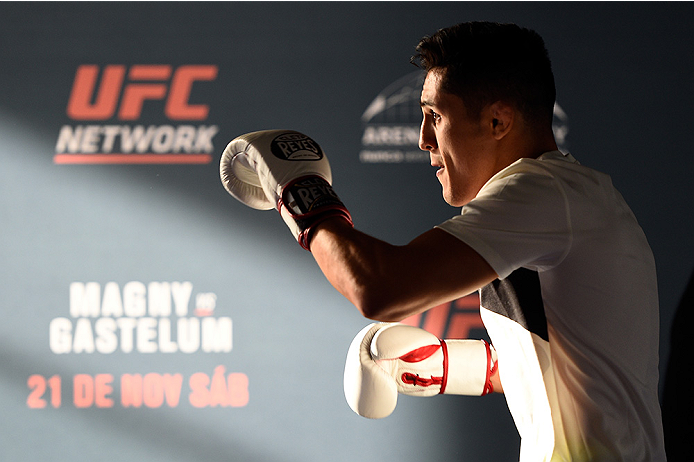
point(307, 201)
point(470, 366)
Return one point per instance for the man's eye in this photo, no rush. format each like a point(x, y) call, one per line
point(435, 116)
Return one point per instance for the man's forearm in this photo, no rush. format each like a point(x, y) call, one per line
point(390, 283)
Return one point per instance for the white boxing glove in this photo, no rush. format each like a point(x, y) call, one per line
point(285, 170)
point(397, 358)
point(370, 391)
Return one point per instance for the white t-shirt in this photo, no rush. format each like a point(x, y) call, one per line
point(574, 313)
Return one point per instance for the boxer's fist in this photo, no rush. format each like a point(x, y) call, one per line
point(385, 359)
point(285, 170)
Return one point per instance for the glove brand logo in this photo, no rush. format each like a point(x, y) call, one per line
point(135, 98)
point(295, 146)
point(311, 194)
point(392, 121)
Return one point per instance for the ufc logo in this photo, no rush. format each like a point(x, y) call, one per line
point(456, 319)
point(144, 82)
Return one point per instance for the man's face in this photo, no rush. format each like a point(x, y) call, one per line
point(460, 146)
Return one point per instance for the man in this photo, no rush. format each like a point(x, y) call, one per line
point(566, 277)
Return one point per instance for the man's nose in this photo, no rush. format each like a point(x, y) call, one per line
point(427, 139)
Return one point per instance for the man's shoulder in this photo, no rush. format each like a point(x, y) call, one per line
point(554, 165)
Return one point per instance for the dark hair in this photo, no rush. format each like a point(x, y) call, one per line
point(484, 62)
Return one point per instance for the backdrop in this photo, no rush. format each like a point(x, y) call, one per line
point(147, 315)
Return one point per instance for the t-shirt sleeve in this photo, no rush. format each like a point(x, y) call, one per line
point(520, 218)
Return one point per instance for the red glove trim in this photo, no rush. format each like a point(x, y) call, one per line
point(445, 366)
point(491, 369)
point(419, 354)
point(413, 379)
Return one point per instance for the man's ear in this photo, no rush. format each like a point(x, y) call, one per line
point(503, 116)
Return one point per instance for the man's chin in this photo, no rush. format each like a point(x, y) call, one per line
point(449, 200)
point(453, 201)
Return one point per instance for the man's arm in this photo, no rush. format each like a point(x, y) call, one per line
point(496, 382)
point(286, 170)
point(390, 283)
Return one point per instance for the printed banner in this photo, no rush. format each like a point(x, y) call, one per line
point(149, 316)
